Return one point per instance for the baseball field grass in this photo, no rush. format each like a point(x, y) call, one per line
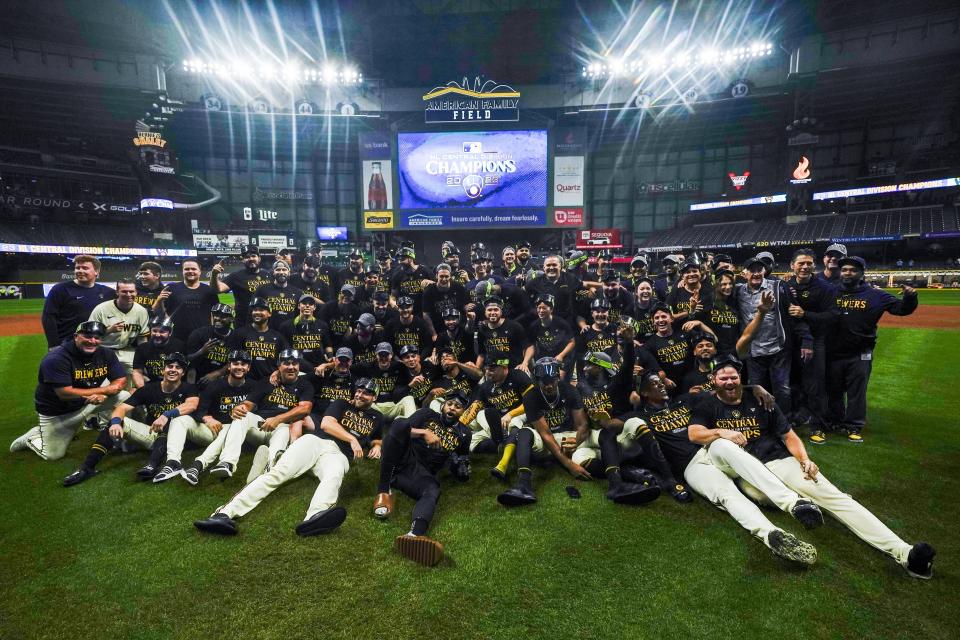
point(112, 558)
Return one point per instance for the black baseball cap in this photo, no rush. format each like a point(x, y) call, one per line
point(752, 261)
point(497, 359)
point(159, 323)
point(547, 299)
point(405, 302)
point(92, 328)
point(612, 276)
point(344, 352)
point(726, 360)
point(600, 304)
point(450, 312)
point(366, 384)
point(381, 296)
point(312, 261)
point(854, 261)
point(722, 257)
point(250, 250)
point(459, 396)
point(288, 354)
point(409, 348)
point(308, 298)
point(222, 310)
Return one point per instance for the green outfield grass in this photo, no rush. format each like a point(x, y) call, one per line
point(115, 559)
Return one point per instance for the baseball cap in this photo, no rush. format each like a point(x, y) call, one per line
point(381, 297)
point(404, 302)
point(222, 310)
point(239, 355)
point(855, 261)
point(688, 264)
point(159, 323)
point(383, 255)
point(312, 261)
point(250, 250)
point(602, 360)
point(281, 263)
point(450, 312)
point(723, 257)
point(639, 260)
point(258, 303)
point(459, 396)
point(672, 258)
point(383, 347)
point(178, 358)
point(91, 327)
point(493, 300)
point(752, 261)
point(344, 352)
point(766, 257)
point(308, 297)
point(546, 369)
point(366, 320)
point(600, 304)
point(356, 253)
point(700, 336)
point(612, 276)
point(407, 252)
point(288, 354)
point(409, 348)
point(524, 244)
point(445, 349)
point(837, 248)
point(547, 299)
point(348, 289)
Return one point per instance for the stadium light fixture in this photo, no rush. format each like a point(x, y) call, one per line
point(289, 72)
point(656, 60)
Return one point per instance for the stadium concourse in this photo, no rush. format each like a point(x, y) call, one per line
point(578, 301)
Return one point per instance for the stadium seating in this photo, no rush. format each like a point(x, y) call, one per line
point(907, 221)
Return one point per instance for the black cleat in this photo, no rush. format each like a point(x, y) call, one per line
point(629, 493)
point(171, 469)
point(807, 513)
point(637, 475)
point(920, 561)
point(498, 473)
point(146, 472)
point(92, 424)
point(222, 470)
point(192, 473)
point(322, 522)
point(516, 497)
point(680, 493)
point(787, 546)
point(219, 523)
point(78, 476)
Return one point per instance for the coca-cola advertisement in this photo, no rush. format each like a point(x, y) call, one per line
point(377, 172)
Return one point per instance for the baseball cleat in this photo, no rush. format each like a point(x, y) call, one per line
point(518, 497)
point(91, 424)
point(499, 474)
point(637, 475)
point(680, 493)
point(787, 546)
point(78, 476)
point(807, 513)
point(322, 522)
point(383, 505)
point(171, 469)
point(629, 493)
point(260, 461)
point(219, 523)
point(920, 561)
point(222, 470)
point(146, 472)
point(420, 549)
point(818, 437)
point(20, 443)
point(192, 473)
point(855, 437)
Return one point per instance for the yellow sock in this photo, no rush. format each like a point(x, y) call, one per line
point(507, 457)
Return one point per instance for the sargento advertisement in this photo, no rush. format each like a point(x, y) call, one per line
point(473, 170)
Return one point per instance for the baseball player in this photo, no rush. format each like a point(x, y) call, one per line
point(217, 402)
point(148, 356)
point(710, 471)
point(386, 373)
point(554, 411)
point(208, 347)
point(265, 418)
point(413, 452)
point(70, 389)
point(280, 295)
point(349, 431)
point(242, 282)
point(70, 303)
point(262, 342)
point(497, 404)
point(307, 334)
point(163, 402)
point(126, 323)
point(768, 436)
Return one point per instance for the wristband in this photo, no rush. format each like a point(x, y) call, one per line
point(115, 421)
point(172, 413)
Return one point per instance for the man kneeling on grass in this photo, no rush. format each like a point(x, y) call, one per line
point(349, 429)
point(415, 449)
point(768, 437)
point(164, 403)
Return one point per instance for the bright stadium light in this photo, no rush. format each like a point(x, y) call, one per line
point(291, 71)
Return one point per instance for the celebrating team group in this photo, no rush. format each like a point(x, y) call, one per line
point(690, 382)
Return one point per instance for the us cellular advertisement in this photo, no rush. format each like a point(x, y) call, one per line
point(463, 172)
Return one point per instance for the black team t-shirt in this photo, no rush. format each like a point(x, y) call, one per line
point(509, 337)
point(387, 380)
point(763, 429)
point(459, 382)
point(263, 346)
point(329, 388)
point(219, 399)
point(419, 389)
point(216, 357)
point(153, 400)
point(310, 337)
point(461, 344)
point(558, 411)
point(366, 425)
point(549, 340)
point(340, 319)
point(189, 308)
point(724, 321)
point(68, 366)
point(416, 333)
point(673, 354)
point(149, 358)
point(316, 288)
point(435, 300)
point(669, 426)
point(146, 297)
point(281, 300)
point(243, 283)
point(269, 401)
point(454, 438)
point(507, 396)
point(410, 283)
